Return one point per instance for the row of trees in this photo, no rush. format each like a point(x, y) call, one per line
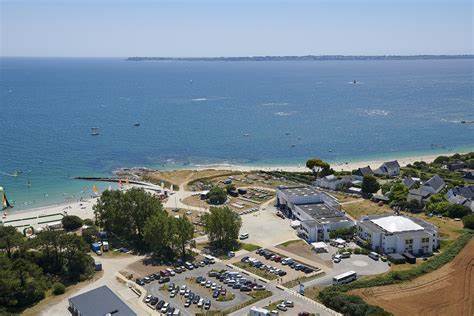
point(137, 220)
point(29, 267)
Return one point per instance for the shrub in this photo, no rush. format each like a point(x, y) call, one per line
point(71, 222)
point(88, 222)
point(468, 221)
point(58, 288)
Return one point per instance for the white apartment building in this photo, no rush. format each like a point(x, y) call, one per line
point(398, 234)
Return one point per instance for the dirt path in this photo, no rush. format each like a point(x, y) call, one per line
point(447, 291)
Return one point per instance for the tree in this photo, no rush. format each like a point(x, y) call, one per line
point(125, 214)
point(71, 222)
point(441, 160)
point(9, 239)
point(222, 226)
point(89, 234)
point(468, 221)
point(158, 234)
point(183, 234)
point(398, 193)
point(457, 211)
point(217, 195)
point(319, 167)
point(370, 184)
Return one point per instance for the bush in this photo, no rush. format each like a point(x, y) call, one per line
point(88, 222)
point(468, 221)
point(58, 288)
point(370, 184)
point(71, 222)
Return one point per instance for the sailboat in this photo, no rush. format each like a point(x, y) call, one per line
point(5, 203)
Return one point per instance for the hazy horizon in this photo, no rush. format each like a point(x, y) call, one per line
point(228, 28)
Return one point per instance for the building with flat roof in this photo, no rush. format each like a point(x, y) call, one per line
point(398, 234)
point(100, 301)
point(318, 212)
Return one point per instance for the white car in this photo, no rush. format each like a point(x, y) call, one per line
point(148, 299)
point(244, 236)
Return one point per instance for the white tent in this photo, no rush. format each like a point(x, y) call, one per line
point(295, 224)
point(319, 246)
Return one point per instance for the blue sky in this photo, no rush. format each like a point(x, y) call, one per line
point(105, 28)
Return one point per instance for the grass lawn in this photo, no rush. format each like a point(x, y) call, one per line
point(249, 247)
point(365, 207)
point(262, 273)
point(289, 242)
point(313, 292)
point(273, 305)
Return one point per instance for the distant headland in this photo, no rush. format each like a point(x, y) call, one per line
point(303, 58)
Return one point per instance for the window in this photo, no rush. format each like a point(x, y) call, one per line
point(425, 240)
point(408, 241)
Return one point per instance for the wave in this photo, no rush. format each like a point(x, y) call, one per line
point(275, 104)
point(376, 112)
point(285, 113)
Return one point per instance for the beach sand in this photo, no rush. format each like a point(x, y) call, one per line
point(84, 209)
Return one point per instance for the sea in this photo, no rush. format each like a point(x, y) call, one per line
point(196, 113)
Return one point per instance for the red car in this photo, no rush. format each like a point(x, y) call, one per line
point(164, 273)
point(277, 259)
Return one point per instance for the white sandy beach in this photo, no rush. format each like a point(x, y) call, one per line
point(340, 166)
point(84, 209)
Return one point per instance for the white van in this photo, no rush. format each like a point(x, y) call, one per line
point(374, 255)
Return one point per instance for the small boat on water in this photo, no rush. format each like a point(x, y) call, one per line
point(94, 131)
point(354, 82)
point(246, 135)
point(136, 124)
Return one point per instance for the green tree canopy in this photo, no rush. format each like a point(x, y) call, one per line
point(10, 238)
point(71, 222)
point(457, 211)
point(217, 195)
point(398, 193)
point(183, 234)
point(125, 214)
point(319, 167)
point(158, 234)
point(468, 221)
point(370, 184)
point(222, 226)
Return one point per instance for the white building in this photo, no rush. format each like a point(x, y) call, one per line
point(398, 234)
point(318, 212)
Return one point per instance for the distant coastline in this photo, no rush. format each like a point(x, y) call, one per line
point(303, 58)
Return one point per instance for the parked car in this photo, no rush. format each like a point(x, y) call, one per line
point(289, 303)
point(164, 280)
point(244, 236)
point(282, 307)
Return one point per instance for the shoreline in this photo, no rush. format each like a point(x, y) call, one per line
point(337, 166)
point(83, 208)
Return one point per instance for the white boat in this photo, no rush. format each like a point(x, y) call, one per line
point(94, 131)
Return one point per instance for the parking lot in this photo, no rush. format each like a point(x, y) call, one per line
point(186, 283)
point(269, 265)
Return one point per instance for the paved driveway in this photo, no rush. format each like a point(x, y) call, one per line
point(361, 264)
point(266, 229)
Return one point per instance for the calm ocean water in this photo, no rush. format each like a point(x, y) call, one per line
point(198, 112)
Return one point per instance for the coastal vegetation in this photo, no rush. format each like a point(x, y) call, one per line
point(148, 228)
point(319, 167)
point(71, 222)
point(222, 226)
point(29, 268)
